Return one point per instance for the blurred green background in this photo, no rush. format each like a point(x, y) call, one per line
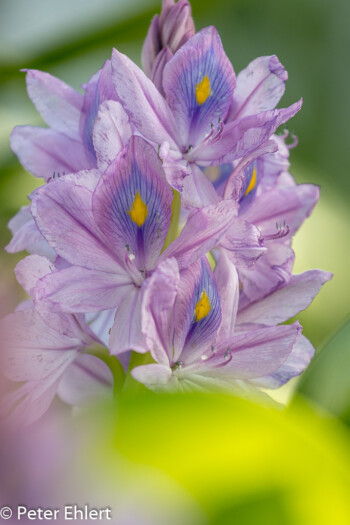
point(71, 39)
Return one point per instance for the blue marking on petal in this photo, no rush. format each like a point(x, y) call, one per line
point(136, 174)
point(201, 333)
point(250, 185)
point(199, 82)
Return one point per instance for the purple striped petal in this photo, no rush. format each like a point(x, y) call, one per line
point(260, 87)
point(32, 349)
point(283, 206)
point(97, 89)
point(228, 286)
point(202, 232)
point(197, 190)
point(151, 114)
point(287, 301)
point(199, 82)
point(26, 235)
point(241, 137)
point(111, 132)
point(132, 204)
point(87, 380)
point(58, 104)
point(81, 290)
point(126, 331)
point(63, 214)
point(295, 364)
point(159, 294)
point(45, 152)
point(258, 352)
point(197, 314)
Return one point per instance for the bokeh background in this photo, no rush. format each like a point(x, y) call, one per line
point(71, 39)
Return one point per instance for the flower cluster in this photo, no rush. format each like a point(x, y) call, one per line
point(163, 228)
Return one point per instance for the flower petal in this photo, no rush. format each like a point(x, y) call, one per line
point(287, 301)
point(45, 152)
point(199, 82)
point(269, 272)
point(202, 232)
point(198, 191)
point(294, 365)
point(159, 294)
point(151, 114)
point(111, 132)
point(228, 286)
point(243, 242)
point(197, 314)
point(81, 290)
point(243, 136)
point(97, 89)
point(87, 380)
point(258, 352)
point(290, 206)
point(58, 104)
point(26, 235)
point(32, 268)
point(63, 214)
point(260, 87)
point(155, 377)
point(132, 204)
point(31, 348)
point(126, 331)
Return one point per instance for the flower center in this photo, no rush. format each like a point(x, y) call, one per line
point(202, 307)
point(252, 182)
point(203, 90)
point(138, 211)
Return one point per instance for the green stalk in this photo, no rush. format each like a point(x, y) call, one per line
point(113, 364)
point(175, 219)
point(131, 386)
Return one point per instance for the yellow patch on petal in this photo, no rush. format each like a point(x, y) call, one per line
point(138, 211)
point(203, 90)
point(252, 182)
point(202, 307)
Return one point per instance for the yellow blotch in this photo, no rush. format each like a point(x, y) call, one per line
point(252, 182)
point(202, 307)
point(203, 90)
point(138, 211)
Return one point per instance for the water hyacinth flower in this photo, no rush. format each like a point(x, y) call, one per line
point(112, 238)
point(47, 353)
point(206, 116)
point(189, 329)
point(66, 145)
point(110, 266)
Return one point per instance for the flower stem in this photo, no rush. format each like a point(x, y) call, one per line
point(175, 219)
point(113, 364)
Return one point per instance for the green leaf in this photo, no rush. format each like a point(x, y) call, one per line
point(327, 380)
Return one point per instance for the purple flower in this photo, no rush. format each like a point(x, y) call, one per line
point(206, 118)
point(46, 354)
point(110, 134)
point(167, 33)
point(112, 235)
point(188, 320)
point(66, 145)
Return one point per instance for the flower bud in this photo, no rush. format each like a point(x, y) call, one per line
point(167, 33)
